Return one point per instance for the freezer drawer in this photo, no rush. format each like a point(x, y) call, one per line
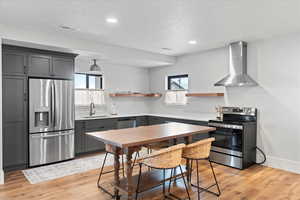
point(51, 147)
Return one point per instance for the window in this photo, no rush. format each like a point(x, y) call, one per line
point(88, 81)
point(178, 82)
point(177, 89)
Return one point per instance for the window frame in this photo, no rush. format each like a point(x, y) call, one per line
point(87, 80)
point(169, 78)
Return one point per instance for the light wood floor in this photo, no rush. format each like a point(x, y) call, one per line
point(257, 182)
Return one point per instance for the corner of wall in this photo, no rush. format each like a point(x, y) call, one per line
point(1, 144)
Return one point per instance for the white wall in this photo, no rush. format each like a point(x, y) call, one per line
point(203, 70)
point(275, 64)
point(121, 78)
point(1, 160)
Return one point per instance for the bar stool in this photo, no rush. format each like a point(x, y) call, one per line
point(109, 150)
point(165, 159)
point(200, 151)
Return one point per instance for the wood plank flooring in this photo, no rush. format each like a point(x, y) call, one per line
point(257, 182)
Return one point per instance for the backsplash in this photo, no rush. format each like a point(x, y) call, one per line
point(123, 105)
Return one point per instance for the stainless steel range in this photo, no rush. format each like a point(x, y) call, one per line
point(235, 135)
point(51, 121)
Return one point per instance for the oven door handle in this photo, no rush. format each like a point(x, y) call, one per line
point(222, 133)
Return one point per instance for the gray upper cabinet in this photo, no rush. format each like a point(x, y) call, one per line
point(37, 63)
point(40, 65)
point(63, 67)
point(16, 62)
point(14, 122)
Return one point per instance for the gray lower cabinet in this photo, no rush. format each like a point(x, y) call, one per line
point(142, 121)
point(85, 143)
point(79, 137)
point(152, 120)
point(15, 133)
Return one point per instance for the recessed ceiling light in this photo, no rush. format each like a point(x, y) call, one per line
point(192, 42)
point(67, 28)
point(166, 49)
point(112, 20)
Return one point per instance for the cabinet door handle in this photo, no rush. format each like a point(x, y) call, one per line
point(25, 96)
point(25, 69)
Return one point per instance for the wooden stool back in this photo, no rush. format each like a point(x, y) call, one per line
point(198, 150)
point(164, 159)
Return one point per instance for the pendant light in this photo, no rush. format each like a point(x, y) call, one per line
point(95, 69)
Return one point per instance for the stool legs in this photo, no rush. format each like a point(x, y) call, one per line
point(213, 171)
point(165, 196)
point(198, 181)
point(101, 172)
point(138, 184)
point(200, 189)
point(99, 178)
point(185, 183)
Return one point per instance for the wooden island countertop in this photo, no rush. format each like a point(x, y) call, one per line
point(142, 135)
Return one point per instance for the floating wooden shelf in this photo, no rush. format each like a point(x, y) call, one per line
point(204, 94)
point(135, 95)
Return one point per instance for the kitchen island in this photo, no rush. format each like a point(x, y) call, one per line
point(128, 140)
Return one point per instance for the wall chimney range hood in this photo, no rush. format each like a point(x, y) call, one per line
point(237, 67)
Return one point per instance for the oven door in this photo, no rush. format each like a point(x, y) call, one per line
point(226, 138)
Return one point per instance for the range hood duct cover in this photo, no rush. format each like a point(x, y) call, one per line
point(237, 67)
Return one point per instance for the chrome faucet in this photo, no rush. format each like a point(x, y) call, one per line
point(92, 109)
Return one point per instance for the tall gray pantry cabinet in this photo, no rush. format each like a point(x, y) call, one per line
point(18, 64)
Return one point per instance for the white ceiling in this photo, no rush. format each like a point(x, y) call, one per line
point(154, 24)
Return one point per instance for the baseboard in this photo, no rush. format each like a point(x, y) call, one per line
point(284, 164)
point(1, 176)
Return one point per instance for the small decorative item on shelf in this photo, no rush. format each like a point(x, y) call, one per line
point(219, 111)
point(113, 109)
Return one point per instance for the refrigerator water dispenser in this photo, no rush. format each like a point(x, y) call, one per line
point(41, 118)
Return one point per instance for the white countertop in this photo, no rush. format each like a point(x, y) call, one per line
point(187, 116)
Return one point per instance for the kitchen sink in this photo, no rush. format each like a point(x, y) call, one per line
point(95, 116)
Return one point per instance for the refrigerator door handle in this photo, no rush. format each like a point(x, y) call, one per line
point(51, 136)
point(53, 104)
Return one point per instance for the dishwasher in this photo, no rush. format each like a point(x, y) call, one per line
point(127, 123)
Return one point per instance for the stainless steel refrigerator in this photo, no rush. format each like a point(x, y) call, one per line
point(51, 121)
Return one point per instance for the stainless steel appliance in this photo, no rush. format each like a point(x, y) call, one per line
point(238, 75)
point(51, 121)
point(235, 135)
point(126, 123)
